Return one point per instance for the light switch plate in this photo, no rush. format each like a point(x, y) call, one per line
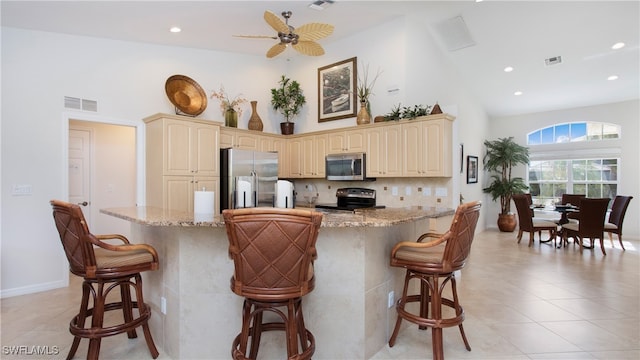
point(394, 190)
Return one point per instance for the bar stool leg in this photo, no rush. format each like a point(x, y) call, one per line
point(97, 320)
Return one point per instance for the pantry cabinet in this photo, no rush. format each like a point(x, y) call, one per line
point(182, 155)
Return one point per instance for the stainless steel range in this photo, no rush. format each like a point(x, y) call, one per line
point(352, 198)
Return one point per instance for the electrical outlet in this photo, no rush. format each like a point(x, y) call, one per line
point(394, 190)
point(391, 299)
point(163, 305)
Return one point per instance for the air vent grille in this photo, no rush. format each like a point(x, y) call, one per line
point(80, 104)
point(72, 103)
point(553, 60)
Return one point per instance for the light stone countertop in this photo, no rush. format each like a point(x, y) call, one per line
point(154, 216)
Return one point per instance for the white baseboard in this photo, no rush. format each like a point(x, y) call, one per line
point(6, 293)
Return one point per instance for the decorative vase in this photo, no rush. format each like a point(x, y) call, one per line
point(363, 116)
point(507, 222)
point(286, 128)
point(255, 123)
point(231, 118)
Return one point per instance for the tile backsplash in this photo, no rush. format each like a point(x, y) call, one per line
point(392, 192)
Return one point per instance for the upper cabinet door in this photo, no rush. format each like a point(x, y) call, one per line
point(177, 149)
point(205, 156)
point(190, 148)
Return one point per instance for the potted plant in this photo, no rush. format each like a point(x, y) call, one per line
point(364, 91)
point(501, 156)
point(288, 100)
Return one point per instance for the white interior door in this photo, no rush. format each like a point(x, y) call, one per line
point(80, 170)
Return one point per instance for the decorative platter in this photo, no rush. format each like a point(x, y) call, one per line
point(186, 95)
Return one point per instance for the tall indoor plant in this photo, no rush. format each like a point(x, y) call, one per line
point(501, 156)
point(288, 99)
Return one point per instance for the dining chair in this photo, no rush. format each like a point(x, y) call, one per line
point(573, 199)
point(590, 224)
point(431, 262)
point(528, 223)
point(616, 217)
point(273, 251)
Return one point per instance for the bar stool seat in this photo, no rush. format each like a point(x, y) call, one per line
point(104, 267)
point(433, 264)
point(273, 251)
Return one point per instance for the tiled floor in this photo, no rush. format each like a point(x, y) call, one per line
point(520, 303)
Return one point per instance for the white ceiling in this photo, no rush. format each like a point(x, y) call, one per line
point(507, 33)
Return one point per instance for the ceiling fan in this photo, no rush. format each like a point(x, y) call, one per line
point(301, 39)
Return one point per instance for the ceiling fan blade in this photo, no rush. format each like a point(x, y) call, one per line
point(256, 36)
point(311, 48)
point(276, 50)
point(314, 31)
point(275, 22)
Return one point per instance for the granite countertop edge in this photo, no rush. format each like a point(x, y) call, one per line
point(153, 216)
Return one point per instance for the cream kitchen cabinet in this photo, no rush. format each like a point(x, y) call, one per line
point(427, 150)
point(278, 144)
point(349, 141)
point(314, 149)
point(182, 155)
point(239, 139)
point(384, 151)
point(296, 156)
point(178, 191)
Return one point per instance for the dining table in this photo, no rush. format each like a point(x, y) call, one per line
point(563, 210)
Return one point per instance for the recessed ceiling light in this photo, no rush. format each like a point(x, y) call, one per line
point(508, 69)
point(613, 77)
point(617, 46)
point(175, 29)
point(517, 93)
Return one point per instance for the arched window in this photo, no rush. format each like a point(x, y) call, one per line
point(565, 158)
point(573, 132)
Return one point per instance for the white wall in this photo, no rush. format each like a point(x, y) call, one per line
point(127, 79)
point(625, 114)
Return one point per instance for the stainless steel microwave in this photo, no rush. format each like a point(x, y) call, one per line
point(346, 166)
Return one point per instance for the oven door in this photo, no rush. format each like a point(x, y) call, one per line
point(345, 166)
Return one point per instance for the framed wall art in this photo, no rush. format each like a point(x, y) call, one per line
point(472, 169)
point(337, 90)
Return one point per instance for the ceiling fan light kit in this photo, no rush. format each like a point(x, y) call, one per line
point(302, 40)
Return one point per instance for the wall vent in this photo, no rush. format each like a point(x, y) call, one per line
point(72, 103)
point(553, 60)
point(80, 104)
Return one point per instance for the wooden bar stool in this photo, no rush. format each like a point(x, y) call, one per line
point(430, 262)
point(273, 251)
point(104, 267)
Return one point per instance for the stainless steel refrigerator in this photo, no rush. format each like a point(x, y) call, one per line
point(247, 178)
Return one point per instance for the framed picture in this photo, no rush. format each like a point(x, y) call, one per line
point(472, 169)
point(337, 90)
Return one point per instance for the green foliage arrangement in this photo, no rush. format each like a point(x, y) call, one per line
point(407, 112)
point(288, 98)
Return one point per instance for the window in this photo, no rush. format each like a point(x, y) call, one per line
point(549, 179)
point(573, 132)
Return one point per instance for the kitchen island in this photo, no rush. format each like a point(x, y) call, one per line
point(347, 311)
